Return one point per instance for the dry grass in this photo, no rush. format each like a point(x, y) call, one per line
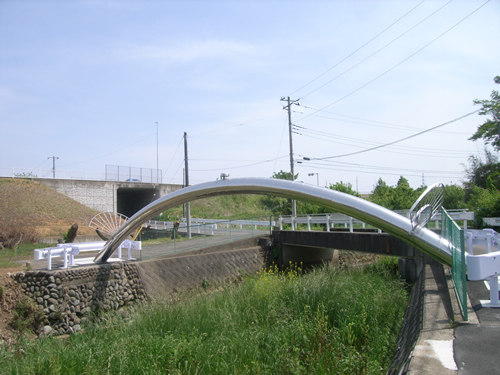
point(37, 211)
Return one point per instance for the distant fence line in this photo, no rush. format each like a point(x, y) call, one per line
point(112, 173)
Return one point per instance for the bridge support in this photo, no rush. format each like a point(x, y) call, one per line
point(410, 268)
point(307, 256)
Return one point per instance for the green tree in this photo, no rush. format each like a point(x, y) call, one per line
point(277, 205)
point(282, 175)
point(381, 194)
point(454, 197)
point(400, 197)
point(404, 196)
point(478, 170)
point(489, 130)
point(344, 188)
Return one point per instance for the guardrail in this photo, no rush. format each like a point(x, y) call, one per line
point(212, 224)
point(348, 222)
point(69, 250)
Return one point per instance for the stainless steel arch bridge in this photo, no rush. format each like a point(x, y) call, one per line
point(371, 213)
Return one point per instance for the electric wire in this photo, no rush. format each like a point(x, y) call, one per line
point(449, 174)
point(364, 45)
point(376, 52)
point(175, 153)
point(356, 141)
point(398, 64)
point(179, 167)
point(366, 122)
point(240, 166)
point(399, 140)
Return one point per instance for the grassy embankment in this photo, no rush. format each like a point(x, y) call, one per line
point(329, 321)
point(30, 211)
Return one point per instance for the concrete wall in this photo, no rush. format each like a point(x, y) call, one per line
point(103, 195)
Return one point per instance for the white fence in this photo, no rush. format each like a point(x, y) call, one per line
point(210, 224)
point(69, 250)
point(348, 222)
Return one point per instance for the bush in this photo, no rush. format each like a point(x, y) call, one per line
point(27, 315)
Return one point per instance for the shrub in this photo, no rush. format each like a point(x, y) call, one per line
point(27, 315)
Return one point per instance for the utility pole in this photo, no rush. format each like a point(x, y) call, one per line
point(157, 178)
point(186, 181)
point(289, 109)
point(53, 165)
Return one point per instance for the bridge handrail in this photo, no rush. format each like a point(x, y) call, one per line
point(339, 218)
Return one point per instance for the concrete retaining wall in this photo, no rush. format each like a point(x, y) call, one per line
point(100, 195)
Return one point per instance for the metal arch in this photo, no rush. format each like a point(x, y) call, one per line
point(368, 212)
point(427, 205)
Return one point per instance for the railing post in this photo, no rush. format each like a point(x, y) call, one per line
point(281, 222)
point(328, 222)
point(494, 290)
point(309, 223)
point(351, 229)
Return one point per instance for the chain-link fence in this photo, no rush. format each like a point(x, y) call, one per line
point(161, 238)
point(133, 174)
point(452, 232)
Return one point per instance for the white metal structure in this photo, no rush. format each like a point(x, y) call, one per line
point(368, 212)
point(484, 266)
point(107, 222)
point(69, 250)
point(348, 221)
point(427, 205)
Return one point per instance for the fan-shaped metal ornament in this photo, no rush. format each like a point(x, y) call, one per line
point(427, 205)
point(107, 223)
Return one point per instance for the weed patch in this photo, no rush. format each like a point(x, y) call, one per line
point(326, 321)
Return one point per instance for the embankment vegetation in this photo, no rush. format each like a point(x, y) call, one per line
point(30, 211)
point(329, 320)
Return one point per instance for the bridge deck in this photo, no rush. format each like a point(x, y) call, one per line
point(369, 242)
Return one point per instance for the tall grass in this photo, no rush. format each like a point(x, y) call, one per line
point(326, 322)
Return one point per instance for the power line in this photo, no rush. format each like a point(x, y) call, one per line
point(364, 45)
point(355, 142)
point(240, 166)
point(377, 51)
point(398, 64)
point(397, 141)
point(366, 122)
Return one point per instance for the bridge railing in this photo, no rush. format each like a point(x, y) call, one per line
point(329, 220)
point(455, 236)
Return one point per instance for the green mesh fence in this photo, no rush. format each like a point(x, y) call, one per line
point(452, 232)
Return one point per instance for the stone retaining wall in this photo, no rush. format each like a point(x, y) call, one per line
point(67, 297)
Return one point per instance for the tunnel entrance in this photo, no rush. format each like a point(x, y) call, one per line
point(131, 200)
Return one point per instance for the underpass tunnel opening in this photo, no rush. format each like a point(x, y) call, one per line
point(131, 200)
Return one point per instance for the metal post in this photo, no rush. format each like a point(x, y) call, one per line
point(289, 109)
point(188, 211)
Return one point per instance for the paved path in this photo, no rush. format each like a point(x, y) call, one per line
point(151, 251)
point(477, 346)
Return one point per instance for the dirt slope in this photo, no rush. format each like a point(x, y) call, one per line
point(39, 210)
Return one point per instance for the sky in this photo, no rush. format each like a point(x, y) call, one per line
point(380, 89)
